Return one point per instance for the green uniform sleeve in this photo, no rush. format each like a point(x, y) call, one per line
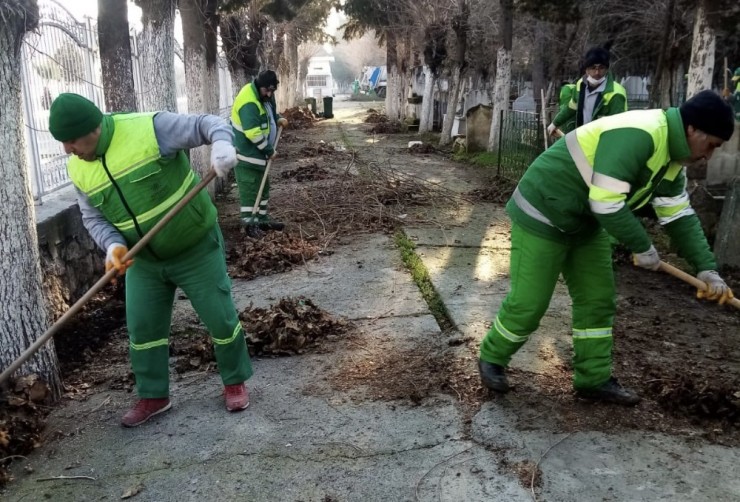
point(252, 125)
point(689, 240)
point(685, 231)
point(565, 114)
point(619, 170)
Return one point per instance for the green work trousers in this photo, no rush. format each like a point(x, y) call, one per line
point(248, 179)
point(536, 264)
point(150, 292)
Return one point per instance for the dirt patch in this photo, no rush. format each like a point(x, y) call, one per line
point(498, 189)
point(387, 127)
point(310, 172)
point(379, 198)
point(293, 326)
point(422, 148)
point(527, 472)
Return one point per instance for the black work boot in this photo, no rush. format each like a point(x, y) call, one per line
point(493, 376)
point(254, 231)
point(269, 226)
point(610, 391)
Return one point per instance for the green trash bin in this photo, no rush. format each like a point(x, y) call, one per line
point(311, 103)
point(328, 112)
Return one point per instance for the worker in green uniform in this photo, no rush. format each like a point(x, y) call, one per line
point(254, 119)
point(595, 95)
point(129, 170)
point(588, 184)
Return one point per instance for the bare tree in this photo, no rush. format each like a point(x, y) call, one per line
point(115, 56)
point(201, 69)
point(503, 72)
point(701, 66)
point(157, 55)
point(457, 65)
point(23, 311)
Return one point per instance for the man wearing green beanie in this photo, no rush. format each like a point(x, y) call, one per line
point(129, 170)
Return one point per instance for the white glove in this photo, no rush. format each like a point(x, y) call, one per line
point(551, 129)
point(718, 289)
point(223, 157)
point(648, 259)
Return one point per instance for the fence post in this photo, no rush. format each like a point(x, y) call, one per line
point(32, 146)
point(500, 141)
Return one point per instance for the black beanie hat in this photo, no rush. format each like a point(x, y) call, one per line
point(597, 55)
point(266, 79)
point(709, 113)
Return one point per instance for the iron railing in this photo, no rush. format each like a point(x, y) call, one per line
point(520, 141)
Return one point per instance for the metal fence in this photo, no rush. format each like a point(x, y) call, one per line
point(521, 140)
point(63, 56)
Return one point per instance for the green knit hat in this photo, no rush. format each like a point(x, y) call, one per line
point(72, 116)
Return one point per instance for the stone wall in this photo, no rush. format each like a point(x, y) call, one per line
point(70, 260)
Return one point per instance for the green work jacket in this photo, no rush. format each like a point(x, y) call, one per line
point(599, 173)
point(133, 186)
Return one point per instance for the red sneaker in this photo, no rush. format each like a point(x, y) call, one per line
point(145, 409)
point(237, 396)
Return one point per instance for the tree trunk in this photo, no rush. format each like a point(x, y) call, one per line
point(427, 102)
point(157, 55)
point(291, 60)
point(703, 44)
point(538, 64)
point(197, 76)
point(115, 56)
point(394, 79)
point(23, 311)
point(453, 99)
point(655, 87)
point(503, 74)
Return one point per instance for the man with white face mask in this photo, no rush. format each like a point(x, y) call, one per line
point(596, 94)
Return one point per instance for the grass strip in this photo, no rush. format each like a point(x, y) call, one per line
point(420, 274)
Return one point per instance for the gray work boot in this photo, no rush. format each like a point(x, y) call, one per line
point(610, 391)
point(493, 376)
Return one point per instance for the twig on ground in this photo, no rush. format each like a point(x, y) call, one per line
point(537, 465)
point(442, 462)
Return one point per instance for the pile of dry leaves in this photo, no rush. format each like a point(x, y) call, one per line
point(316, 149)
point(275, 253)
point(374, 117)
point(422, 148)
point(21, 420)
point(292, 326)
point(299, 118)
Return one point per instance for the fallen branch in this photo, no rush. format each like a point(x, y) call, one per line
point(55, 478)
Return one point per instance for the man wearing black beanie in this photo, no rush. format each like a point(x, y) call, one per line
point(255, 122)
point(596, 94)
point(574, 196)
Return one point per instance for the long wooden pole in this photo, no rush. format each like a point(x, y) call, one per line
point(680, 274)
point(256, 207)
point(43, 339)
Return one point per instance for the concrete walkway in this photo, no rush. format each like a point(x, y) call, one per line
point(304, 438)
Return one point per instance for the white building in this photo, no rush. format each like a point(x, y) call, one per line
point(319, 82)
